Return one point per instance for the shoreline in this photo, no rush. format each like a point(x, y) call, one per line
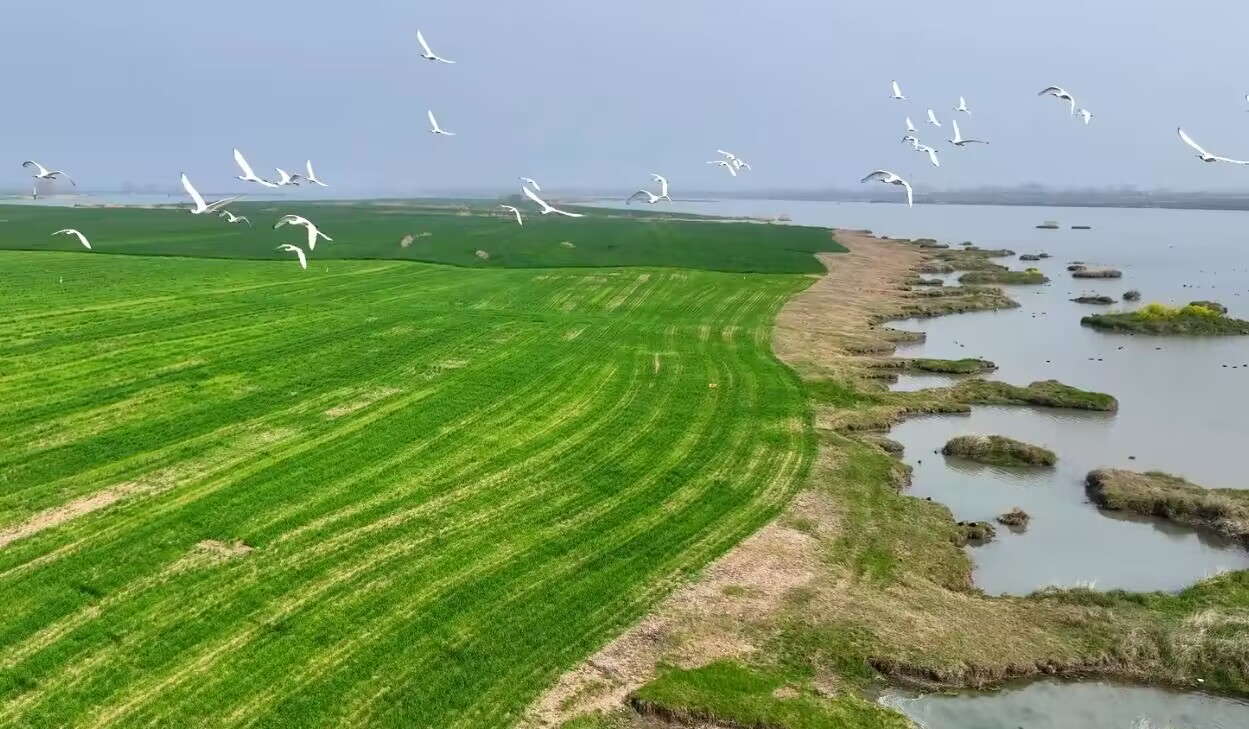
point(864, 584)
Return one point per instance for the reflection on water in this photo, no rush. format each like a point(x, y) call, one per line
point(1093, 705)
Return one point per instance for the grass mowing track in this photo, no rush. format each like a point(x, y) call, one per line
point(457, 483)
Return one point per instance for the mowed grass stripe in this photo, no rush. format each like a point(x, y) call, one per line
point(410, 538)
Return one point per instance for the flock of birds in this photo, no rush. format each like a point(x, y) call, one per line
point(728, 161)
point(958, 140)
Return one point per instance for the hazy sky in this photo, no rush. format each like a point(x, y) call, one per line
point(579, 93)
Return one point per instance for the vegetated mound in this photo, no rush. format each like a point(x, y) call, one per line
point(1016, 518)
point(966, 366)
point(927, 282)
point(1099, 300)
point(1046, 393)
point(997, 450)
point(935, 267)
point(1030, 257)
point(1196, 319)
point(1223, 511)
point(1086, 272)
point(1010, 278)
point(1132, 295)
point(951, 300)
point(974, 533)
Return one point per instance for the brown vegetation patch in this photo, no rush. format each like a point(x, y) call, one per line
point(224, 550)
point(365, 399)
point(58, 515)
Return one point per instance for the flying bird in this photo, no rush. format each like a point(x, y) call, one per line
point(248, 175)
point(200, 206)
point(651, 197)
point(727, 155)
point(892, 179)
point(739, 163)
point(1059, 92)
point(912, 139)
point(897, 92)
point(43, 173)
point(428, 54)
point(909, 126)
point(532, 183)
point(232, 218)
point(958, 140)
point(932, 119)
point(1085, 114)
point(437, 129)
point(303, 259)
point(312, 176)
point(932, 154)
point(1205, 156)
point(81, 238)
point(962, 106)
point(546, 208)
point(285, 178)
point(313, 231)
point(726, 164)
point(663, 185)
point(516, 212)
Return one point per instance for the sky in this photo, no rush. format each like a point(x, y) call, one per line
point(592, 94)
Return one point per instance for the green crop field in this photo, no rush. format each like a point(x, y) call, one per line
point(375, 231)
point(376, 492)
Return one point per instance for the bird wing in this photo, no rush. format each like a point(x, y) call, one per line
point(896, 91)
point(1232, 161)
point(932, 117)
point(303, 259)
point(533, 196)
point(433, 122)
point(732, 170)
point(243, 218)
point(932, 157)
point(81, 238)
point(877, 175)
point(1055, 90)
point(730, 155)
point(533, 183)
point(636, 195)
point(1189, 141)
point(190, 190)
point(54, 173)
point(30, 162)
point(910, 194)
point(958, 136)
point(213, 207)
point(962, 103)
point(663, 184)
point(910, 127)
point(567, 214)
point(242, 163)
point(420, 38)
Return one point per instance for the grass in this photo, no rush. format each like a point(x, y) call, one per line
point(1200, 318)
point(1222, 511)
point(750, 697)
point(998, 450)
point(1046, 393)
point(454, 484)
point(452, 236)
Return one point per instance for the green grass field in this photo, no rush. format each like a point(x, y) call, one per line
point(375, 230)
point(454, 483)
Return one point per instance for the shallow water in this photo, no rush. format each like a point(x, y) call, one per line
point(1092, 705)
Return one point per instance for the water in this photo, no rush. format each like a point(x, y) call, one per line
point(1092, 705)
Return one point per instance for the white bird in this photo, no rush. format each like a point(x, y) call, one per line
point(1059, 92)
point(1205, 156)
point(727, 155)
point(546, 208)
point(285, 178)
point(739, 163)
point(200, 206)
point(663, 186)
point(932, 119)
point(303, 259)
point(897, 92)
point(726, 164)
point(232, 218)
point(912, 139)
point(437, 129)
point(428, 54)
point(313, 231)
point(532, 183)
point(248, 175)
point(43, 173)
point(932, 154)
point(1085, 114)
point(962, 106)
point(516, 212)
point(312, 176)
point(81, 238)
point(651, 197)
point(892, 179)
point(958, 140)
point(909, 126)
